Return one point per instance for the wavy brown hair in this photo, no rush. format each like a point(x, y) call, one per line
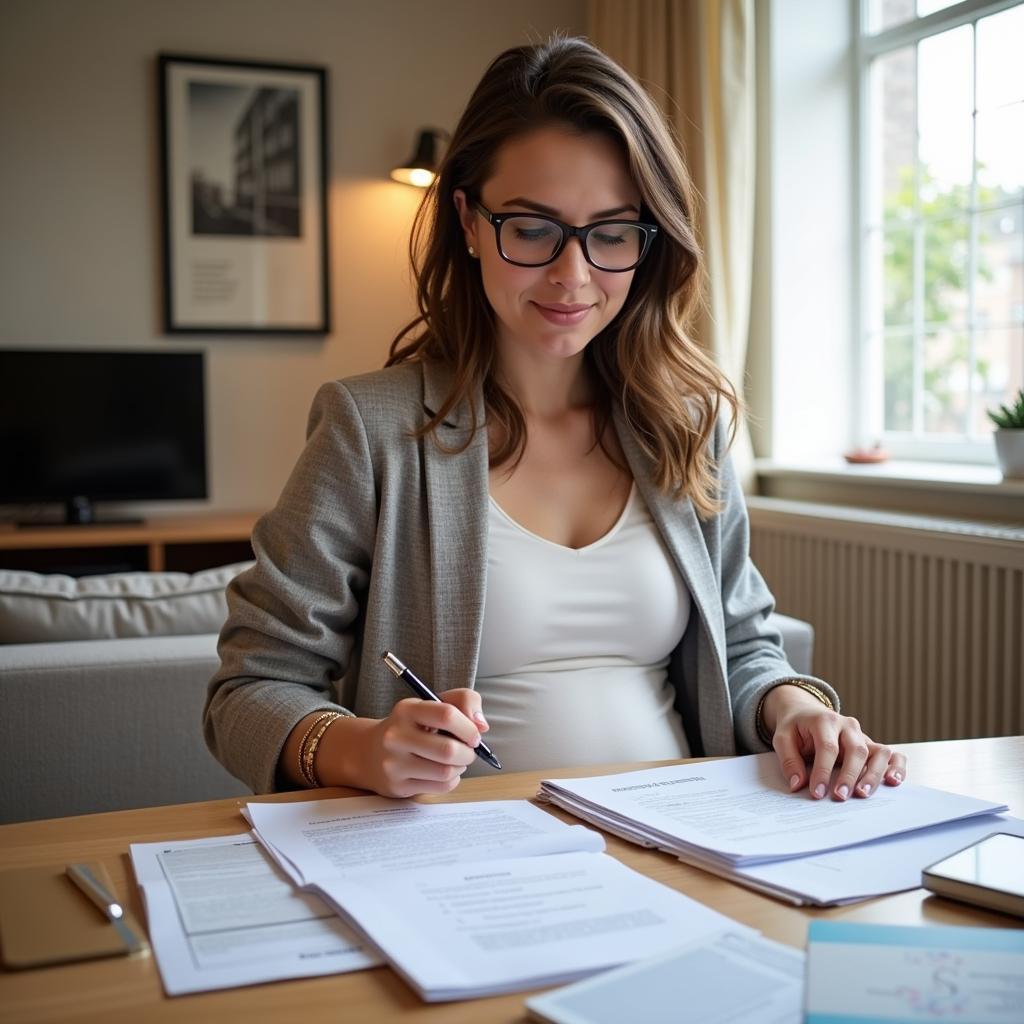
point(671, 393)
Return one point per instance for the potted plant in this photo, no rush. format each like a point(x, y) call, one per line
point(1009, 436)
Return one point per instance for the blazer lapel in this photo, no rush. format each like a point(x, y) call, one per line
point(677, 522)
point(457, 496)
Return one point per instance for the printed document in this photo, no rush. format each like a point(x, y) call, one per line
point(739, 811)
point(221, 914)
point(469, 930)
point(473, 899)
point(317, 839)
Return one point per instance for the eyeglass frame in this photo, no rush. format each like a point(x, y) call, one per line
point(650, 232)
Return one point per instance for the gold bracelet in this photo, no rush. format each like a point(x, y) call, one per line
point(302, 746)
point(309, 757)
point(810, 688)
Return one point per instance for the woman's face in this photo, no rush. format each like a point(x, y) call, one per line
point(552, 311)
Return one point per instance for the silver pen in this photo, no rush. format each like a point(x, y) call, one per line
point(112, 910)
point(424, 692)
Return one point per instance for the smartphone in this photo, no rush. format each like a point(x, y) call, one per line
point(989, 873)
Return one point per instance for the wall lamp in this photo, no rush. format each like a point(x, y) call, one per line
point(421, 168)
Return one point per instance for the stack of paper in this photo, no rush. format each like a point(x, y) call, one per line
point(737, 818)
point(474, 899)
point(870, 869)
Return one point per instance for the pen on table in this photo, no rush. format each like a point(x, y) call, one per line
point(424, 692)
point(112, 910)
point(90, 885)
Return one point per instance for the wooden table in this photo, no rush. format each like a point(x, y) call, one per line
point(122, 989)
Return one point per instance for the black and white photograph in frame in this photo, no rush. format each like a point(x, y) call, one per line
point(244, 167)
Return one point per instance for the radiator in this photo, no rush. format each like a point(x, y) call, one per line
point(919, 621)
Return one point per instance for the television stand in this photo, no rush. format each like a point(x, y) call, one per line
point(183, 544)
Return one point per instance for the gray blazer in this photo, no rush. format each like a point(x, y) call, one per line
point(379, 541)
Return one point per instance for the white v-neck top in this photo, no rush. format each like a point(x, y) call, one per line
point(575, 645)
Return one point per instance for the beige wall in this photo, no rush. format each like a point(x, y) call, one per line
point(79, 195)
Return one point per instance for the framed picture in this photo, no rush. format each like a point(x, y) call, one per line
point(244, 173)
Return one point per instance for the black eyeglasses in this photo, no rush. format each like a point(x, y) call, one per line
point(533, 240)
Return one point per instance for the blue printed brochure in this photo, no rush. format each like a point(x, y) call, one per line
point(859, 973)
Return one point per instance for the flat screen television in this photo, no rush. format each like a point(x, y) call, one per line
point(81, 426)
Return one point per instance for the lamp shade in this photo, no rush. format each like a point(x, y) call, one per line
point(421, 168)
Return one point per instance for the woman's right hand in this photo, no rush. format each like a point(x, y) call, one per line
point(404, 754)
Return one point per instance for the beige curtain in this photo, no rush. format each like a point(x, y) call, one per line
point(696, 57)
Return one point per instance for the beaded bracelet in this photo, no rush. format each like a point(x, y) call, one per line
point(309, 754)
point(813, 690)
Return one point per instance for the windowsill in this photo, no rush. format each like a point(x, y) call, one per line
point(932, 476)
point(943, 488)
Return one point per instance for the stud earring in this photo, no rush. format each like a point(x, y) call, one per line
point(472, 252)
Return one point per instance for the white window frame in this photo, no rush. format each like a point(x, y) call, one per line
point(868, 369)
point(804, 271)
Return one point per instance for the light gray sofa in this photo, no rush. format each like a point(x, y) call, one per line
point(91, 725)
point(102, 685)
point(103, 725)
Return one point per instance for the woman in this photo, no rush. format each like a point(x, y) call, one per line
point(532, 505)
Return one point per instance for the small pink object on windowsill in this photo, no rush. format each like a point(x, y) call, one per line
point(861, 456)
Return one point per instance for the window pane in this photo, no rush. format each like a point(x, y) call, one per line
point(999, 372)
point(898, 276)
point(999, 281)
point(884, 14)
point(943, 292)
point(945, 382)
point(894, 128)
point(1000, 42)
point(899, 366)
point(1000, 154)
point(946, 269)
point(945, 105)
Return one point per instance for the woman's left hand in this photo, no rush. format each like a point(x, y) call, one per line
point(805, 732)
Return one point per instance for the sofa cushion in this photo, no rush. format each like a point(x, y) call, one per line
point(38, 608)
